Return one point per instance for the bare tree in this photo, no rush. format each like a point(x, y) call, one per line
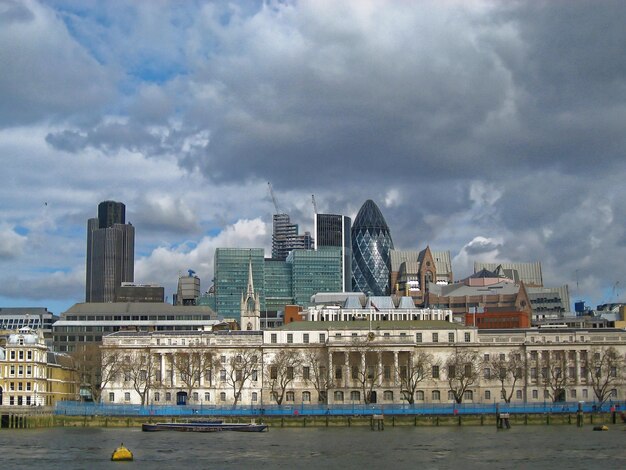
point(316, 361)
point(190, 364)
point(369, 371)
point(605, 369)
point(243, 364)
point(96, 367)
point(416, 369)
point(554, 376)
point(462, 371)
point(140, 370)
point(507, 369)
point(282, 371)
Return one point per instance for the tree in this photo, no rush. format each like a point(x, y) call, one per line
point(507, 369)
point(316, 360)
point(242, 365)
point(413, 372)
point(190, 364)
point(282, 371)
point(96, 367)
point(605, 369)
point(462, 371)
point(554, 376)
point(140, 370)
point(369, 371)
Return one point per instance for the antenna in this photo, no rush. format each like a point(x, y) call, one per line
point(269, 186)
point(314, 204)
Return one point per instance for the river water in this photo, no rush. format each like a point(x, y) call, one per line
point(467, 447)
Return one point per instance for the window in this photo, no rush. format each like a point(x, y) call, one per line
point(13, 355)
point(533, 373)
point(572, 393)
point(289, 338)
point(306, 373)
point(451, 371)
point(338, 396)
point(127, 396)
point(21, 355)
point(322, 337)
point(487, 395)
point(223, 359)
point(255, 397)
point(111, 397)
point(435, 337)
point(157, 396)
point(418, 337)
point(338, 373)
point(168, 396)
point(126, 376)
point(20, 370)
point(388, 395)
point(222, 396)
point(403, 371)
point(29, 370)
point(290, 396)
point(518, 394)
point(436, 395)
point(28, 386)
point(585, 393)
point(305, 338)
point(535, 394)
point(12, 370)
point(468, 395)
point(306, 396)
point(487, 373)
point(223, 374)
point(387, 372)
point(450, 337)
point(435, 372)
point(29, 355)
point(195, 396)
point(486, 357)
point(468, 370)
point(208, 375)
point(355, 395)
point(419, 395)
point(290, 372)
point(613, 393)
point(143, 375)
point(502, 357)
point(274, 338)
point(468, 337)
point(255, 375)
point(207, 396)
point(546, 394)
point(274, 372)
point(450, 395)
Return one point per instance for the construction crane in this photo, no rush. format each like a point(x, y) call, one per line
point(314, 204)
point(614, 293)
point(269, 185)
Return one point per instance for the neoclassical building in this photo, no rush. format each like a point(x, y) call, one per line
point(364, 362)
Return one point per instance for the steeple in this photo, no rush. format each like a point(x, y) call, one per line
point(250, 305)
point(250, 280)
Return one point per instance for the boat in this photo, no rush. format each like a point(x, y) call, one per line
point(121, 454)
point(601, 428)
point(204, 426)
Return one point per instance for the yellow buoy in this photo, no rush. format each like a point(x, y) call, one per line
point(121, 454)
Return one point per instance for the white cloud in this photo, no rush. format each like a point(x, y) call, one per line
point(11, 243)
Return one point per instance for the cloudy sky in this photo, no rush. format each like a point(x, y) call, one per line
point(495, 130)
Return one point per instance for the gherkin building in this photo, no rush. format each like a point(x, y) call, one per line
point(371, 247)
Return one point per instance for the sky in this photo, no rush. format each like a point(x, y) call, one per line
point(492, 129)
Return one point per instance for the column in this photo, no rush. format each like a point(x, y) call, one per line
point(396, 371)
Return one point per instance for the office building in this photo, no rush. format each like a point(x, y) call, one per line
point(188, 291)
point(315, 271)
point(334, 230)
point(231, 278)
point(131, 292)
point(371, 246)
point(110, 252)
point(285, 237)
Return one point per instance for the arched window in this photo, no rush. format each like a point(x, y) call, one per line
point(306, 396)
point(468, 395)
point(157, 396)
point(419, 395)
point(388, 395)
point(436, 395)
point(355, 395)
point(254, 397)
point(338, 396)
point(290, 396)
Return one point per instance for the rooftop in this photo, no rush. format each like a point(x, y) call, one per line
point(374, 325)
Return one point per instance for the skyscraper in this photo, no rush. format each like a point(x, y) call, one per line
point(333, 230)
point(371, 245)
point(285, 237)
point(110, 252)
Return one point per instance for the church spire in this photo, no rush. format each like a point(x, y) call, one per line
point(250, 281)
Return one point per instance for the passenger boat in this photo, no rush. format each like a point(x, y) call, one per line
point(204, 426)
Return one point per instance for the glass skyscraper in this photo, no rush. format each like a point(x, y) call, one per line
point(334, 230)
point(110, 252)
point(315, 271)
point(231, 278)
point(371, 246)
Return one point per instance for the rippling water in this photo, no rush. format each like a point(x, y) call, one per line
point(468, 447)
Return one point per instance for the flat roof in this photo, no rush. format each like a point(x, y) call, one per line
point(136, 308)
point(374, 325)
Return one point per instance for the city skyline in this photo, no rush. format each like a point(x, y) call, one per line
point(489, 129)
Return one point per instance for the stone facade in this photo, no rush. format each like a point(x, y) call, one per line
point(361, 362)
